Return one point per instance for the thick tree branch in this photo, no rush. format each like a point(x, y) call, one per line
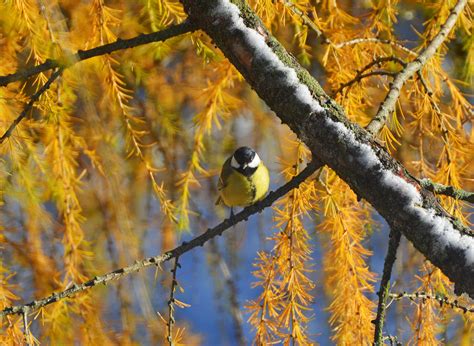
point(30, 103)
point(299, 101)
point(388, 105)
point(176, 252)
point(390, 258)
point(347, 148)
point(163, 35)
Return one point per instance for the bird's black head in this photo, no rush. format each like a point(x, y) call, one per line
point(244, 155)
point(245, 160)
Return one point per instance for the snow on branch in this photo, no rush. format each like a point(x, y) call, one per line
point(299, 101)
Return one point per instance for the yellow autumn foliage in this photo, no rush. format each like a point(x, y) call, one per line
point(121, 155)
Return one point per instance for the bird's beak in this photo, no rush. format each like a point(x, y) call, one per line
point(244, 166)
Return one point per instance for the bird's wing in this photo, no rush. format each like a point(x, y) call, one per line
point(221, 184)
point(225, 172)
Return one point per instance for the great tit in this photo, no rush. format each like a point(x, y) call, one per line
point(244, 179)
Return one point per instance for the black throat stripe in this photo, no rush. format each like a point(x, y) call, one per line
point(248, 171)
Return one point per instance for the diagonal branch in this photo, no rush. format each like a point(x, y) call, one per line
point(388, 105)
point(176, 252)
point(119, 44)
point(30, 103)
point(81, 55)
point(372, 173)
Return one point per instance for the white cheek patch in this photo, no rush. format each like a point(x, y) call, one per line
point(234, 163)
point(255, 161)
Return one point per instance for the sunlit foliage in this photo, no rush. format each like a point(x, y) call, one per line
point(125, 148)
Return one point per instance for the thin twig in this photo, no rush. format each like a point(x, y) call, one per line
point(388, 105)
point(306, 19)
point(30, 103)
point(443, 300)
point(232, 288)
point(374, 40)
point(390, 258)
point(447, 190)
point(424, 83)
point(178, 251)
point(25, 326)
point(442, 126)
point(429, 92)
point(383, 59)
point(376, 62)
point(171, 319)
point(119, 44)
point(361, 76)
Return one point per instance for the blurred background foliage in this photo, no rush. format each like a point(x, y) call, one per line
point(119, 160)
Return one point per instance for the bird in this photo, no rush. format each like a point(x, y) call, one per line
point(244, 179)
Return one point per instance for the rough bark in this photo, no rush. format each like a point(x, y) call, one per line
point(345, 147)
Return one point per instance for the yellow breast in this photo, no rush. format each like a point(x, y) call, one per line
point(239, 190)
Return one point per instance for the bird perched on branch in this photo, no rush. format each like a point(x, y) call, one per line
point(244, 179)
